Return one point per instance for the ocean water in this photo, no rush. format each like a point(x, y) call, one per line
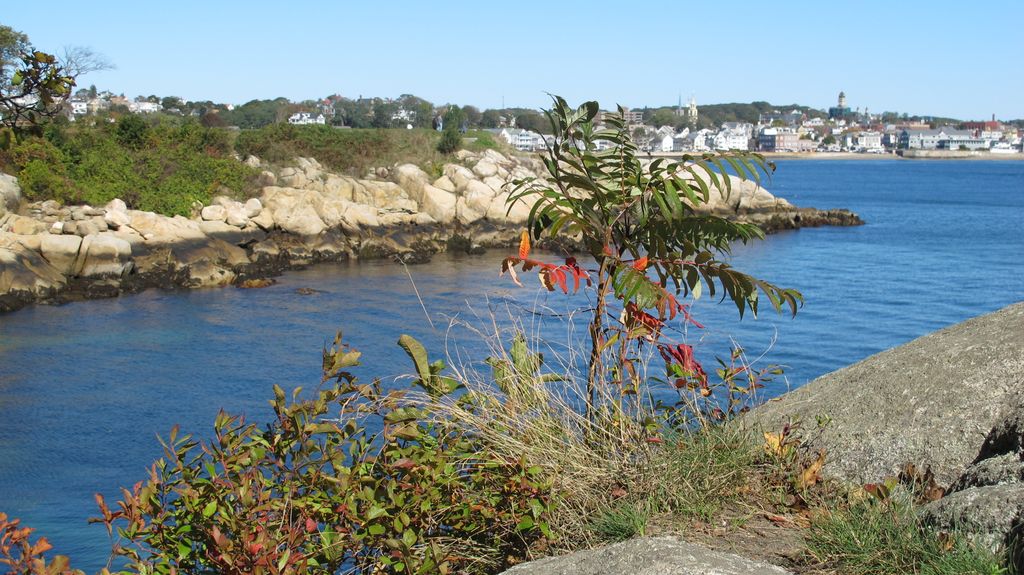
point(86, 388)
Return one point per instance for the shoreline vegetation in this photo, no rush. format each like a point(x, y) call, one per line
point(455, 472)
point(181, 212)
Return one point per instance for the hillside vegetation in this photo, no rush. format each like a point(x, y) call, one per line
point(165, 165)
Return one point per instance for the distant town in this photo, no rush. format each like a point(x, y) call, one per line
point(680, 129)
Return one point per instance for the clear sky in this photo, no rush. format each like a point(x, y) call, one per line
point(962, 59)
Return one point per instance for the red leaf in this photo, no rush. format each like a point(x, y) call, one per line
point(640, 264)
point(509, 265)
point(310, 525)
point(682, 355)
point(404, 463)
point(524, 245)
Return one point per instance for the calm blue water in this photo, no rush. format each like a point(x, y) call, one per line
point(86, 388)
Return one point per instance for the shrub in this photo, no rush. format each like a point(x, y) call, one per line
point(163, 167)
point(637, 220)
point(384, 487)
point(451, 140)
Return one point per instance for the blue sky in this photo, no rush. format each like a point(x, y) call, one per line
point(937, 57)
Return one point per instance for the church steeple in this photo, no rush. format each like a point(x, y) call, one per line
point(691, 114)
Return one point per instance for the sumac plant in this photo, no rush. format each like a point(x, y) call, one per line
point(653, 244)
point(358, 479)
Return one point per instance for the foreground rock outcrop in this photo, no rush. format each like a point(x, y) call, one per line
point(647, 556)
point(303, 215)
point(951, 401)
point(932, 401)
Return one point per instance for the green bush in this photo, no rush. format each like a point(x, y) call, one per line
point(357, 477)
point(451, 140)
point(352, 151)
point(162, 167)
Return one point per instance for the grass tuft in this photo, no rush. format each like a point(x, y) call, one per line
point(885, 537)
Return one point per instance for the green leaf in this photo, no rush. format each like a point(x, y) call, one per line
point(210, 509)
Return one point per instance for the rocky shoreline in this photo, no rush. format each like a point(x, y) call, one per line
point(304, 215)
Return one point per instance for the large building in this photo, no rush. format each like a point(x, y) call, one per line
point(841, 110)
point(941, 139)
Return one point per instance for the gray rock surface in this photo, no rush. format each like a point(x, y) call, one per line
point(932, 401)
point(1005, 468)
point(647, 556)
point(987, 514)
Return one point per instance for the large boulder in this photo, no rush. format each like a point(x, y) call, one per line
point(459, 175)
point(478, 196)
point(214, 213)
point(22, 225)
point(10, 193)
point(163, 230)
point(738, 194)
point(647, 556)
point(500, 211)
point(932, 402)
point(987, 514)
point(294, 210)
point(439, 204)
point(987, 501)
point(386, 196)
point(211, 263)
point(103, 255)
point(412, 179)
point(338, 187)
point(61, 251)
point(485, 168)
point(116, 214)
point(25, 275)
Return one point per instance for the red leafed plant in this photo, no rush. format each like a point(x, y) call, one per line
point(651, 244)
point(23, 557)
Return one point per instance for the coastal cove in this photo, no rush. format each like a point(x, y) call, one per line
point(85, 387)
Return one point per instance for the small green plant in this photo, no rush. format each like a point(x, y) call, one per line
point(622, 521)
point(876, 537)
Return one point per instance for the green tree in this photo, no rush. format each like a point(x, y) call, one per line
point(662, 117)
point(532, 121)
point(383, 113)
point(491, 119)
point(829, 140)
point(472, 115)
point(451, 139)
point(170, 102)
point(637, 220)
point(131, 131)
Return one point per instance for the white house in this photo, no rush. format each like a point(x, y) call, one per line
point(305, 118)
point(144, 107)
point(733, 136)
